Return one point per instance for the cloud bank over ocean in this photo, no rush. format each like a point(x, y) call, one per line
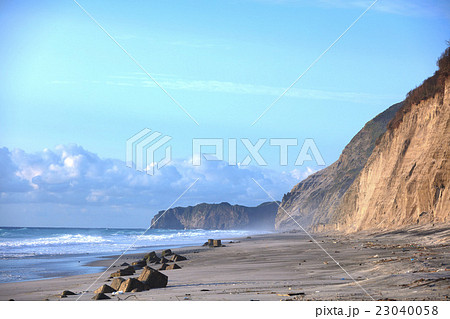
point(72, 179)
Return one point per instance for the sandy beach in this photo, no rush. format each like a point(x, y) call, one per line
point(399, 265)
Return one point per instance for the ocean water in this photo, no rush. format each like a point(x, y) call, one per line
point(31, 253)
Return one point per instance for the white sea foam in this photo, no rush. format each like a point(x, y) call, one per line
point(57, 240)
point(100, 241)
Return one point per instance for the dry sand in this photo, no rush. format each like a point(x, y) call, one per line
point(402, 265)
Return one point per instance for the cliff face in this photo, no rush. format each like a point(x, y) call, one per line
point(407, 178)
point(315, 199)
point(218, 216)
point(385, 178)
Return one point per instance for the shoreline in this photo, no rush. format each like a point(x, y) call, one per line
point(400, 265)
point(42, 254)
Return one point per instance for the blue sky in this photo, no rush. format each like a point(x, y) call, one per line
point(65, 82)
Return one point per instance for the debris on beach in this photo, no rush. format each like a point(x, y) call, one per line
point(124, 265)
point(163, 267)
point(131, 284)
point(173, 266)
point(100, 296)
point(290, 294)
point(139, 264)
point(387, 299)
point(123, 272)
point(66, 293)
point(151, 257)
point(152, 278)
point(430, 282)
point(213, 243)
point(115, 284)
point(166, 252)
point(176, 257)
point(105, 289)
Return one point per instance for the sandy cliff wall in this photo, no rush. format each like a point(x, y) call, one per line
point(406, 179)
point(388, 177)
point(315, 199)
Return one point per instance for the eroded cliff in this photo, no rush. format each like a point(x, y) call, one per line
point(407, 178)
point(315, 199)
point(385, 178)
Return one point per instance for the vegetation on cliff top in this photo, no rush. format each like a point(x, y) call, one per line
point(431, 87)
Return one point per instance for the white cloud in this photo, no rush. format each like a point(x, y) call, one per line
point(71, 175)
point(302, 174)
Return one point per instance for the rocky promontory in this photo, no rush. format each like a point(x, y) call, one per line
point(218, 216)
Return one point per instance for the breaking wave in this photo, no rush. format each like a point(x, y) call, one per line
point(41, 241)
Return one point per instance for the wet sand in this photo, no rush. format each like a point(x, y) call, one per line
point(401, 265)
